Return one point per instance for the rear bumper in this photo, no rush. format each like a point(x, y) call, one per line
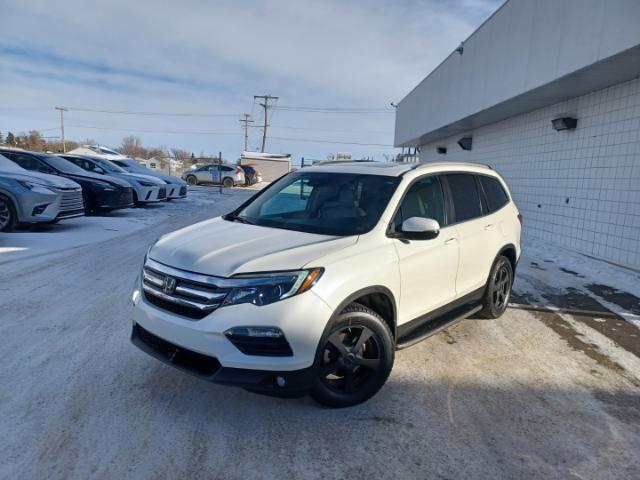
point(279, 383)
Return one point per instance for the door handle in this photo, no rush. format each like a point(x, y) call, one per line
point(489, 226)
point(450, 241)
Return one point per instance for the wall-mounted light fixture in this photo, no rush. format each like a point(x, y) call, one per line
point(466, 143)
point(441, 150)
point(564, 123)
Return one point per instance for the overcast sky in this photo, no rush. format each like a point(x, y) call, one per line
point(210, 58)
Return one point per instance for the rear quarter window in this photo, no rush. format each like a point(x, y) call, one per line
point(494, 192)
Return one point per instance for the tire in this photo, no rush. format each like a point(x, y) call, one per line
point(8, 215)
point(498, 289)
point(191, 180)
point(347, 371)
point(89, 208)
point(227, 182)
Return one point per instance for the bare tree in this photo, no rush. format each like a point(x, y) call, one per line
point(132, 147)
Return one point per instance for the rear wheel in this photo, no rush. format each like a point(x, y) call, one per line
point(8, 216)
point(191, 180)
point(227, 182)
point(89, 207)
point(498, 290)
point(354, 359)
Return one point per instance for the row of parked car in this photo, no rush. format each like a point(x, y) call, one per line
point(45, 188)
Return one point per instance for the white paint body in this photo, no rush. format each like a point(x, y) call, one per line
point(421, 275)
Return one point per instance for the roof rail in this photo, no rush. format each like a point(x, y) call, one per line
point(470, 164)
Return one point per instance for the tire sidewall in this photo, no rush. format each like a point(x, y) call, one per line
point(227, 182)
point(13, 216)
point(191, 179)
point(325, 395)
point(489, 305)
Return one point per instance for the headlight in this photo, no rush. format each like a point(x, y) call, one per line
point(35, 187)
point(146, 184)
point(265, 288)
point(104, 186)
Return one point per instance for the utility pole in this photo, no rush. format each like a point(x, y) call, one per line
point(265, 106)
point(246, 122)
point(62, 110)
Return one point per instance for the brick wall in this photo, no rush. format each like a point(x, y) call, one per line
point(579, 188)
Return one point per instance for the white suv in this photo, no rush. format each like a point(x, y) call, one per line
point(312, 284)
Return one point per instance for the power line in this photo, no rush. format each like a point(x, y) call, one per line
point(266, 107)
point(159, 114)
point(337, 110)
point(176, 132)
point(313, 140)
point(286, 127)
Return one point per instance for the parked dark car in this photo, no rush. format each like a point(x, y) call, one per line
point(251, 175)
point(100, 193)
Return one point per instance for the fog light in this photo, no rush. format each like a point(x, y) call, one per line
point(258, 332)
point(39, 209)
point(135, 296)
point(280, 381)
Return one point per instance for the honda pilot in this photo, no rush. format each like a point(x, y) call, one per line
point(312, 285)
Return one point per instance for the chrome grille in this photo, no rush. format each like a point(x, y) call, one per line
point(172, 290)
point(71, 200)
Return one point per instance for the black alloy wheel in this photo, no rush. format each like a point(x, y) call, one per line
point(191, 180)
point(355, 359)
point(498, 289)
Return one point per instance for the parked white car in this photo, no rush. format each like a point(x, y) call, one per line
point(311, 285)
point(146, 189)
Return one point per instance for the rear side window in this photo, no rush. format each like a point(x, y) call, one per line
point(25, 161)
point(496, 196)
point(465, 196)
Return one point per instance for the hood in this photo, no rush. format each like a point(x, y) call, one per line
point(140, 177)
point(168, 178)
point(41, 178)
point(101, 178)
point(222, 248)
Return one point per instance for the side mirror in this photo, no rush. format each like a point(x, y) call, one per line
point(98, 170)
point(418, 228)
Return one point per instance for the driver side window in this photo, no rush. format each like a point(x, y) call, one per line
point(423, 199)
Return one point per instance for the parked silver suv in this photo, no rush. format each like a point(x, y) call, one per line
point(32, 197)
point(231, 175)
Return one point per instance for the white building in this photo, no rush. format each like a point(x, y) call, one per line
point(534, 61)
point(270, 165)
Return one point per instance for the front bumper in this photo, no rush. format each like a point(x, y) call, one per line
point(280, 383)
point(176, 191)
point(302, 319)
point(113, 200)
point(151, 194)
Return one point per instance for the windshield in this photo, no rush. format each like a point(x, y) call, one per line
point(7, 165)
point(63, 165)
point(326, 203)
point(110, 167)
point(131, 166)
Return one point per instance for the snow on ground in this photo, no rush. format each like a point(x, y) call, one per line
point(549, 390)
point(41, 239)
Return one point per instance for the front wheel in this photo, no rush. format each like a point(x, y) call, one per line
point(191, 180)
point(354, 358)
point(8, 217)
point(498, 289)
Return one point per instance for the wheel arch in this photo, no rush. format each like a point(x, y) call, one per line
point(510, 252)
point(15, 204)
point(378, 298)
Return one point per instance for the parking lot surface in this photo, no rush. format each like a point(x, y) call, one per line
point(550, 390)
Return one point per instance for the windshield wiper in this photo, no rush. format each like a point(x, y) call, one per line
point(237, 218)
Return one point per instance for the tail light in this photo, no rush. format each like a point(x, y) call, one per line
point(520, 218)
point(238, 170)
